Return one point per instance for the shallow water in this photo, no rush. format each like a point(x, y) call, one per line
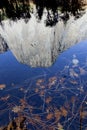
point(49, 98)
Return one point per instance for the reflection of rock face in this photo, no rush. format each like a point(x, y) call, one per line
point(34, 44)
point(3, 45)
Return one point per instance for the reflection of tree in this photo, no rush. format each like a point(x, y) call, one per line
point(21, 8)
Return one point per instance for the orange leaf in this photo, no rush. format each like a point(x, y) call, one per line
point(48, 100)
point(23, 102)
point(49, 116)
point(63, 111)
point(73, 99)
point(83, 114)
point(58, 114)
point(52, 80)
point(2, 86)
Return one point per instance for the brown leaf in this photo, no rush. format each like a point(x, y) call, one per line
point(73, 99)
point(16, 124)
point(82, 71)
point(63, 111)
point(16, 109)
point(58, 114)
point(2, 86)
point(83, 114)
point(60, 127)
point(48, 100)
point(39, 81)
point(42, 93)
point(49, 116)
point(52, 80)
point(74, 82)
point(5, 98)
point(73, 73)
point(36, 90)
point(23, 102)
point(37, 117)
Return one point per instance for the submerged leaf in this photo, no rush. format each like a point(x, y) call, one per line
point(36, 90)
point(60, 127)
point(73, 73)
point(83, 114)
point(63, 111)
point(16, 109)
point(82, 71)
point(2, 86)
point(48, 100)
point(52, 80)
point(23, 102)
point(73, 99)
point(5, 98)
point(74, 82)
point(49, 116)
point(42, 92)
point(39, 81)
point(58, 114)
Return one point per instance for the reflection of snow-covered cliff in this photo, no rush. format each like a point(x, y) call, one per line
point(3, 45)
point(34, 44)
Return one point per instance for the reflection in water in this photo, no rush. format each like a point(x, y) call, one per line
point(37, 45)
point(3, 45)
point(57, 99)
point(50, 102)
point(16, 9)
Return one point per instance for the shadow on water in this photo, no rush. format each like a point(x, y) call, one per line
point(53, 98)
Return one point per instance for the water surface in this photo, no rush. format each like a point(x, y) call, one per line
point(49, 98)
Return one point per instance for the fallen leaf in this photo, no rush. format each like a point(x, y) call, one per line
point(48, 100)
point(42, 93)
point(58, 114)
point(2, 86)
point(63, 111)
point(36, 90)
point(23, 102)
point(37, 117)
point(16, 109)
point(39, 81)
point(5, 98)
point(60, 127)
point(73, 73)
point(49, 116)
point(52, 80)
point(73, 99)
point(82, 71)
point(83, 114)
point(74, 82)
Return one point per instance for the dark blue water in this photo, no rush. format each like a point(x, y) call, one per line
point(59, 88)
